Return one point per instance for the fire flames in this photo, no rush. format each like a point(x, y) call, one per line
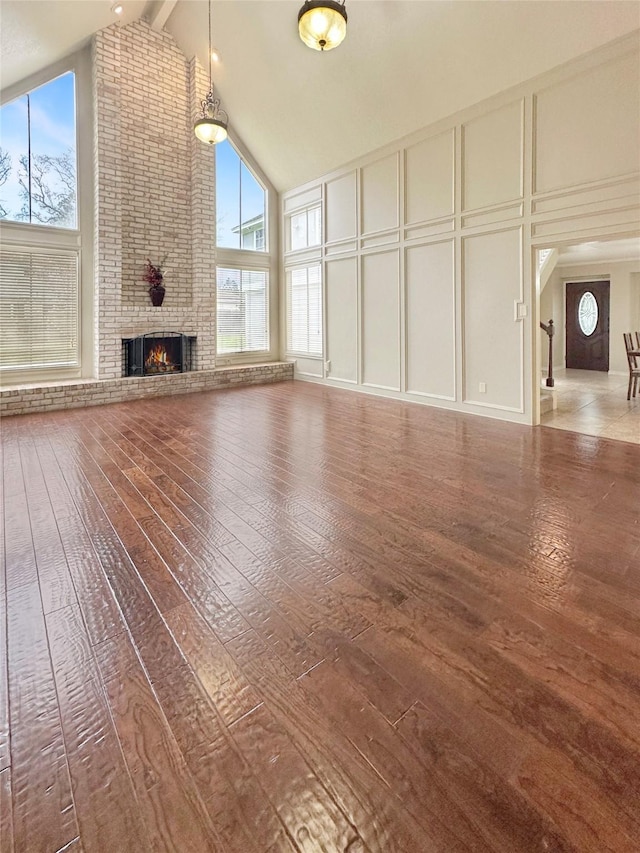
point(158, 361)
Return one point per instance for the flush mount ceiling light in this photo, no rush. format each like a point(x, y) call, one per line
point(117, 8)
point(212, 127)
point(322, 24)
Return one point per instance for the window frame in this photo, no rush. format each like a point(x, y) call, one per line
point(25, 235)
point(250, 260)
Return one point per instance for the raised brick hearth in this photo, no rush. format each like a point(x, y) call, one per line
point(75, 395)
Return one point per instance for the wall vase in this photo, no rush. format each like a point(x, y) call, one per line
point(157, 295)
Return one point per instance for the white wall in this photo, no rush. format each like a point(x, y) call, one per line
point(428, 251)
point(552, 308)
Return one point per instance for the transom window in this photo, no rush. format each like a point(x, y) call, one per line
point(305, 229)
point(38, 163)
point(240, 203)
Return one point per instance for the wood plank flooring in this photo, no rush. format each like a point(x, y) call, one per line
point(302, 620)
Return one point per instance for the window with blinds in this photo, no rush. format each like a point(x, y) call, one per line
point(39, 309)
point(304, 310)
point(242, 311)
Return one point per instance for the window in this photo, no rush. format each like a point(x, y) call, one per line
point(38, 156)
point(240, 203)
point(304, 229)
point(44, 247)
point(588, 313)
point(246, 269)
point(304, 311)
point(39, 304)
point(242, 311)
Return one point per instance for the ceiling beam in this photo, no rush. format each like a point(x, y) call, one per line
point(159, 13)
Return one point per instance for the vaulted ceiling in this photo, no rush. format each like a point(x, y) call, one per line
point(403, 65)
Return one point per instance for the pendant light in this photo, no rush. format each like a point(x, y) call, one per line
point(212, 127)
point(322, 24)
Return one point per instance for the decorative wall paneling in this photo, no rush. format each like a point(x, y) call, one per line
point(424, 231)
point(502, 213)
point(341, 248)
point(380, 240)
point(491, 184)
point(609, 207)
point(430, 318)
point(600, 108)
point(341, 209)
point(380, 320)
point(380, 195)
point(492, 284)
point(493, 157)
point(429, 194)
point(624, 192)
point(341, 314)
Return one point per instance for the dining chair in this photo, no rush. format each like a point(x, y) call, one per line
point(634, 364)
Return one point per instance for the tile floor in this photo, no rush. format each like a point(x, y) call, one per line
point(595, 404)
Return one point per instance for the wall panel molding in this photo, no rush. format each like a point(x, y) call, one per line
point(429, 179)
point(493, 157)
point(588, 126)
point(380, 195)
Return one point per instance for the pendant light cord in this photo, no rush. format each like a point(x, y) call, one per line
point(210, 71)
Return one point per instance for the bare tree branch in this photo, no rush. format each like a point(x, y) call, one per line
point(5, 171)
point(53, 188)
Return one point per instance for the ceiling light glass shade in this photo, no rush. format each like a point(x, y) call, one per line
point(322, 24)
point(210, 130)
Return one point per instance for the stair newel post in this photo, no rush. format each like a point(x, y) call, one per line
point(550, 330)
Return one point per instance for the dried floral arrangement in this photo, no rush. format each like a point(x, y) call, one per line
point(154, 273)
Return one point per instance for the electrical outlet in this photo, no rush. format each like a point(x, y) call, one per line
point(327, 366)
point(483, 388)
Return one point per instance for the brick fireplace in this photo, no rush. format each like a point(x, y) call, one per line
point(155, 195)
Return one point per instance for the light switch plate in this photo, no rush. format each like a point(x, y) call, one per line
point(520, 310)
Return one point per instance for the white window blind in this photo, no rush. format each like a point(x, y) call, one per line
point(39, 309)
point(304, 311)
point(242, 311)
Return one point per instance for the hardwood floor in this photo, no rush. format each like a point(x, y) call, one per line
point(291, 618)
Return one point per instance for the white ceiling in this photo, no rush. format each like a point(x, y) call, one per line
point(403, 65)
point(36, 33)
point(600, 251)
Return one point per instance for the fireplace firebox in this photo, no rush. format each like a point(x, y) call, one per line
point(157, 353)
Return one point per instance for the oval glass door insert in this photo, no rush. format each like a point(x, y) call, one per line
point(588, 313)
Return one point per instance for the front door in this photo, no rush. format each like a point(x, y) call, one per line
point(587, 325)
